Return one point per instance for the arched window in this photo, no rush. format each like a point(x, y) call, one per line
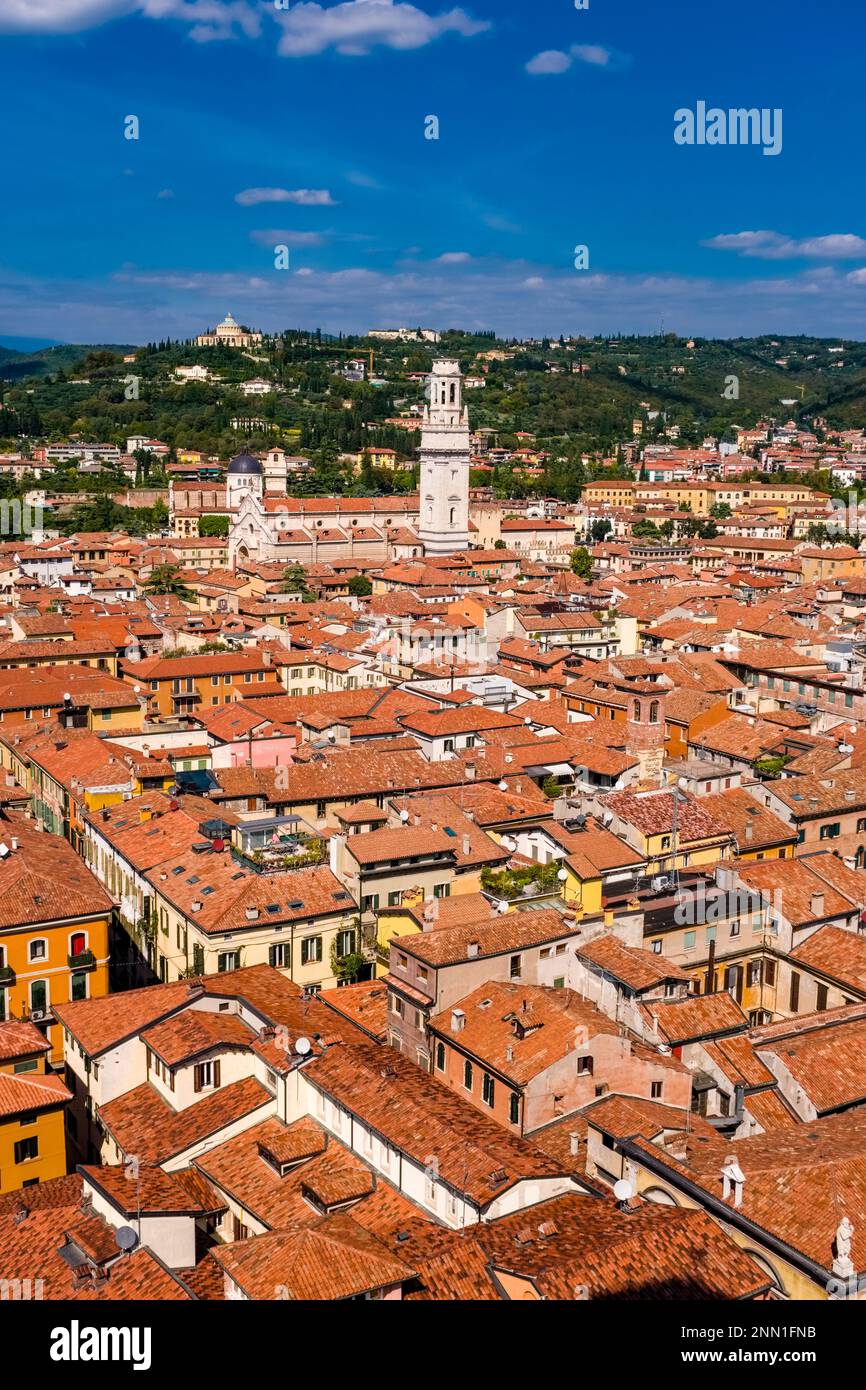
point(452, 516)
point(453, 393)
point(636, 710)
point(77, 943)
point(654, 712)
point(660, 1196)
point(768, 1269)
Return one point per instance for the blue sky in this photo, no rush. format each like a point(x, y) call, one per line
point(304, 127)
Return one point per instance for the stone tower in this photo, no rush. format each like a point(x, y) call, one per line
point(645, 726)
point(444, 490)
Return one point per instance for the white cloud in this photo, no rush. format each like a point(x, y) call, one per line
point(165, 193)
point(59, 16)
point(498, 223)
point(514, 297)
point(773, 246)
point(553, 61)
point(303, 197)
point(453, 258)
point(211, 19)
point(276, 236)
point(354, 27)
point(362, 180)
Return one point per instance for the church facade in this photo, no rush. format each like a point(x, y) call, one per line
point(269, 527)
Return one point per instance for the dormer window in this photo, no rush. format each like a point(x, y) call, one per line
point(206, 1076)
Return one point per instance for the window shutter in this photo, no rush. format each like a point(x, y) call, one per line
point(196, 1079)
point(216, 1073)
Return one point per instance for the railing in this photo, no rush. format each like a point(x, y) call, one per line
point(81, 960)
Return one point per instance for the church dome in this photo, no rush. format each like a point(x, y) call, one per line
point(245, 464)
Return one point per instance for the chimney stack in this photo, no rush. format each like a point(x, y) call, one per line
point(734, 1180)
point(816, 904)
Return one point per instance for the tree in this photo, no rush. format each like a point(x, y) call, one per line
point(295, 581)
point(166, 579)
point(354, 966)
point(213, 525)
point(581, 562)
point(720, 510)
point(600, 528)
point(359, 586)
point(550, 787)
point(499, 545)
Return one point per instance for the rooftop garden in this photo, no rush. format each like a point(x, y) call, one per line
point(521, 883)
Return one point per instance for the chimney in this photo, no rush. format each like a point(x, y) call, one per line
point(467, 844)
point(458, 1019)
point(816, 904)
point(574, 1143)
point(734, 1181)
point(677, 1144)
point(749, 833)
point(472, 950)
point(509, 1053)
point(849, 793)
point(14, 843)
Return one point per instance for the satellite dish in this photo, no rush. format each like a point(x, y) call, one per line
point(303, 1046)
point(4, 850)
point(125, 1238)
point(623, 1190)
point(562, 875)
point(503, 786)
point(502, 905)
point(404, 816)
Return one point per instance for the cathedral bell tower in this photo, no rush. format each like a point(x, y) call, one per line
point(444, 490)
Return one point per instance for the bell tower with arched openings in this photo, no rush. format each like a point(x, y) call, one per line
point(645, 726)
point(444, 490)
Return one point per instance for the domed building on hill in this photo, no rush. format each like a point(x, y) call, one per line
point(229, 333)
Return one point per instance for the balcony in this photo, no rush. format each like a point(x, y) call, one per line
point(7, 975)
point(83, 960)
